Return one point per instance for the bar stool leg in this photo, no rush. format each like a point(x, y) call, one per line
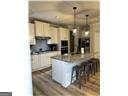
point(94, 68)
point(91, 69)
point(97, 66)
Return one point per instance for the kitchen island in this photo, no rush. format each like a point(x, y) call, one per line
point(62, 67)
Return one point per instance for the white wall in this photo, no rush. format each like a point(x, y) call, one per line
point(15, 67)
point(95, 38)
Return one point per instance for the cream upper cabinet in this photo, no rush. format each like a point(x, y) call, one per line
point(64, 33)
point(31, 33)
point(46, 29)
point(54, 34)
point(39, 28)
point(42, 29)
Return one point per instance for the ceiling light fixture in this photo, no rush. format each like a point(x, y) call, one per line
point(87, 27)
point(74, 27)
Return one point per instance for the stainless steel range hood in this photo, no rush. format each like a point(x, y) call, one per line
point(41, 38)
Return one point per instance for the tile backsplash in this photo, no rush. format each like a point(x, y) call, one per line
point(41, 45)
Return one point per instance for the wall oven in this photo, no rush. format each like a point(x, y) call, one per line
point(64, 46)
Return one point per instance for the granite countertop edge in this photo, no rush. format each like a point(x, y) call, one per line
point(43, 52)
point(54, 57)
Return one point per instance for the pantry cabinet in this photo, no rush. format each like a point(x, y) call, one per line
point(32, 40)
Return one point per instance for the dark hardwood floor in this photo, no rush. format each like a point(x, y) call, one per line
point(43, 85)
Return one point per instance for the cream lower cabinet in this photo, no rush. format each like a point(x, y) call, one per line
point(42, 61)
point(35, 62)
point(51, 54)
point(58, 52)
point(48, 59)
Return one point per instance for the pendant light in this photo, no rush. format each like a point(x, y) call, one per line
point(74, 27)
point(87, 27)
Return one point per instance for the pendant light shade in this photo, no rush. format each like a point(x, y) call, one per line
point(74, 30)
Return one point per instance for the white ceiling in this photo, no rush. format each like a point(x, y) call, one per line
point(62, 11)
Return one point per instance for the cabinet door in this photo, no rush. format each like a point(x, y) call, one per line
point(48, 59)
point(35, 62)
point(31, 30)
point(46, 29)
point(61, 30)
point(32, 62)
point(64, 33)
point(54, 34)
point(41, 60)
point(39, 27)
point(51, 55)
point(58, 52)
point(31, 34)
